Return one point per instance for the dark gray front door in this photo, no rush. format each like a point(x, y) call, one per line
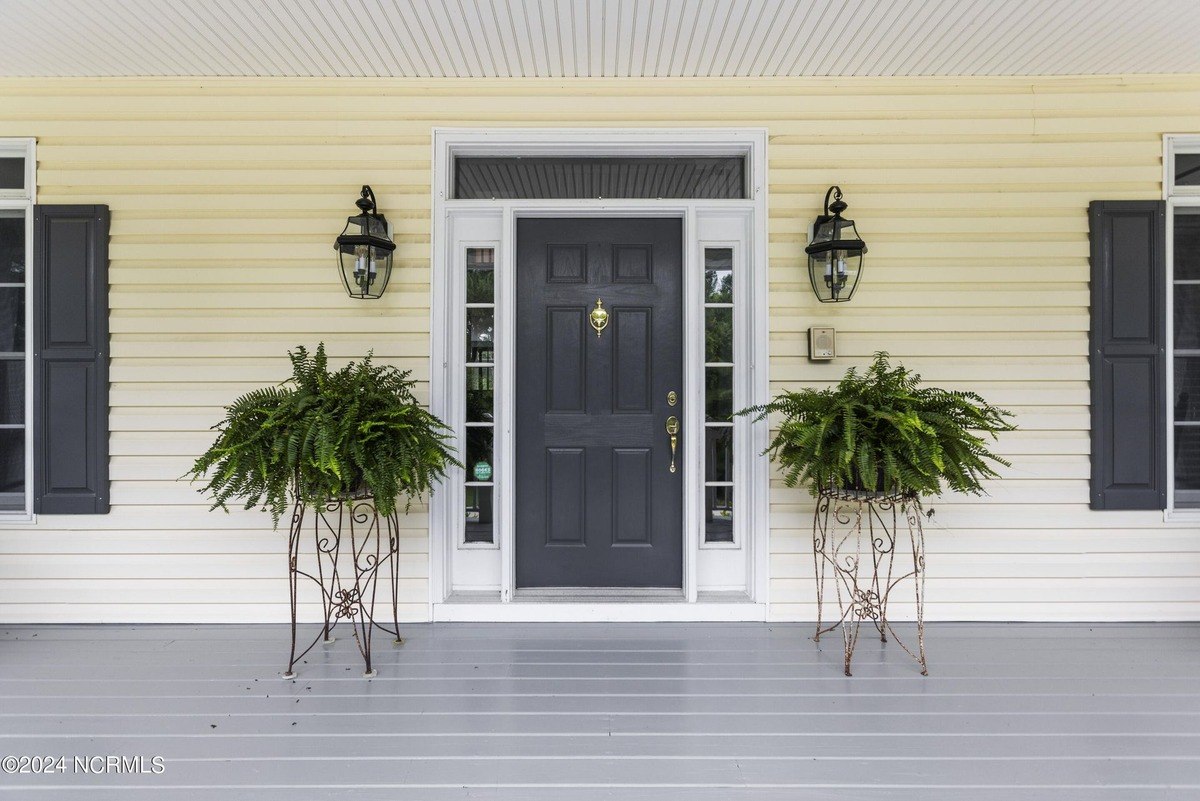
point(596, 502)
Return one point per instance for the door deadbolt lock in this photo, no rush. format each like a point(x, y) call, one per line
point(672, 398)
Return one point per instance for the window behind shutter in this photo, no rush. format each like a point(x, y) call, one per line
point(70, 390)
point(1128, 355)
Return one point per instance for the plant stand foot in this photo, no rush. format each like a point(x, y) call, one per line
point(398, 641)
point(329, 641)
point(291, 674)
point(370, 674)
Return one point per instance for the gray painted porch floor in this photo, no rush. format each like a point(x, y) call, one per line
point(524, 712)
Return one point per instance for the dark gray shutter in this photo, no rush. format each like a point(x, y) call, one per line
point(70, 367)
point(1128, 354)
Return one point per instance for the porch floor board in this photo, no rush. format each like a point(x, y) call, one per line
point(534, 712)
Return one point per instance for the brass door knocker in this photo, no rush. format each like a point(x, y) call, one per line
point(599, 317)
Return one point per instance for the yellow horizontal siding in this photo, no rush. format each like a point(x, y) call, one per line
point(972, 193)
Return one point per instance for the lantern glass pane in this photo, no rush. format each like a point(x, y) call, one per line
point(834, 274)
point(823, 232)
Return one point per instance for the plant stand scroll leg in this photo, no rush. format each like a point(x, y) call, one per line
point(293, 576)
point(851, 566)
point(362, 608)
point(876, 544)
point(394, 558)
point(327, 591)
point(820, 541)
point(917, 534)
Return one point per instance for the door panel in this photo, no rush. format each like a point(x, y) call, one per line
point(596, 502)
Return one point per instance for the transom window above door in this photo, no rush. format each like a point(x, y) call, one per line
point(584, 178)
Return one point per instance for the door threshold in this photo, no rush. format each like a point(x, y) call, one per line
point(532, 606)
point(598, 595)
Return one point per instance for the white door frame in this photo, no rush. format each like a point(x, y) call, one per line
point(741, 223)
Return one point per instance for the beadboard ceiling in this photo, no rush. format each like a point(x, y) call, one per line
point(596, 38)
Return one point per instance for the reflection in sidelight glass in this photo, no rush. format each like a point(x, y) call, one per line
point(481, 275)
point(480, 394)
point(12, 469)
point(479, 514)
point(1187, 243)
point(718, 335)
point(1187, 316)
point(478, 435)
point(1187, 169)
point(718, 453)
point(719, 357)
point(12, 391)
point(480, 325)
point(718, 514)
point(1186, 348)
point(12, 350)
point(12, 172)
point(718, 394)
point(718, 275)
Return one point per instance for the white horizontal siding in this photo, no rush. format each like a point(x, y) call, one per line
point(226, 196)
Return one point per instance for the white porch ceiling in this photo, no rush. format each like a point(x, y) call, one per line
point(596, 38)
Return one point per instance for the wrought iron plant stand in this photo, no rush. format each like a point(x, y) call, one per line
point(856, 539)
point(352, 545)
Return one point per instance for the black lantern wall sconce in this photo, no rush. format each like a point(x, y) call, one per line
point(365, 251)
point(835, 254)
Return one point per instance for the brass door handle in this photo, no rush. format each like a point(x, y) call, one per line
point(673, 432)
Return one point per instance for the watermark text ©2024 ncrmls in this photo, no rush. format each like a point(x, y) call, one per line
point(100, 765)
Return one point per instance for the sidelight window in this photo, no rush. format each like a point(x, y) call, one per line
point(1186, 402)
point(480, 395)
point(1183, 313)
point(718, 395)
point(16, 196)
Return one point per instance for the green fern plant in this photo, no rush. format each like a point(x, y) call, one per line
point(323, 435)
point(881, 431)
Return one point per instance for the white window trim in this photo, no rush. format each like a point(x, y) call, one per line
point(444, 508)
point(24, 199)
point(1175, 197)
